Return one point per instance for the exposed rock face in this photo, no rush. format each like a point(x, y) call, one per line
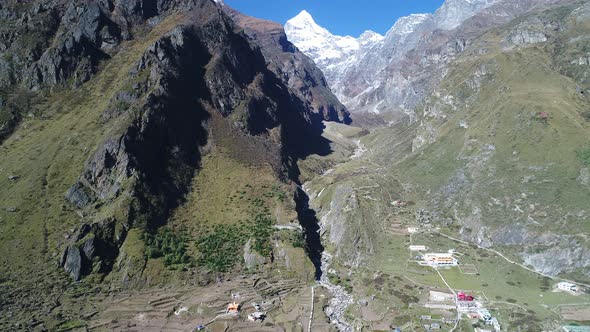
point(252, 259)
point(78, 49)
point(532, 31)
point(47, 43)
point(454, 12)
point(561, 258)
point(72, 262)
point(104, 174)
point(292, 66)
point(93, 248)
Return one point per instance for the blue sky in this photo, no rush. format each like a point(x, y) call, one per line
point(342, 17)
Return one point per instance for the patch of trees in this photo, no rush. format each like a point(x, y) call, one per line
point(222, 247)
point(166, 244)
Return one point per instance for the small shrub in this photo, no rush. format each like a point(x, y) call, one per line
point(584, 156)
point(296, 239)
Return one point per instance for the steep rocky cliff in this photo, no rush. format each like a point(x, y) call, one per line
point(111, 111)
point(293, 66)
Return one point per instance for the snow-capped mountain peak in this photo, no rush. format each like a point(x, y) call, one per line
point(316, 41)
point(302, 19)
point(305, 22)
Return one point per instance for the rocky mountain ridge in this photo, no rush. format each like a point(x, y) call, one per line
point(395, 73)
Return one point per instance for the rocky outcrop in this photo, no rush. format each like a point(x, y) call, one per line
point(292, 66)
point(252, 259)
point(48, 43)
point(92, 248)
point(560, 259)
point(72, 262)
point(58, 42)
point(532, 31)
point(104, 175)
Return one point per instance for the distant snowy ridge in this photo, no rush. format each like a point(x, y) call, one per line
point(365, 72)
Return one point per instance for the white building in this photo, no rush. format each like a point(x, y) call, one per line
point(418, 248)
point(468, 306)
point(485, 315)
point(440, 259)
point(567, 286)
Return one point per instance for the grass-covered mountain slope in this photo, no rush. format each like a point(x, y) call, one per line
point(495, 167)
point(144, 144)
point(508, 134)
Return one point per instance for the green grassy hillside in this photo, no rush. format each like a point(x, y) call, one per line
point(497, 158)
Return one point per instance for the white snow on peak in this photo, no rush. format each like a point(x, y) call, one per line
point(454, 12)
point(370, 36)
point(310, 38)
point(303, 18)
point(305, 25)
point(407, 24)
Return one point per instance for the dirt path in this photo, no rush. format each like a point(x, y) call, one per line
point(454, 295)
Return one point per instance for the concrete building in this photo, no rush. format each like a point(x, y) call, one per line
point(441, 297)
point(440, 259)
point(567, 286)
point(468, 306)
point(485, 314)
point(418, 248)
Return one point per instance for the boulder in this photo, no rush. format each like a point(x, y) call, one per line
point(252, 259)
point(72, 262)
point(78, 195)
point(584, 177)
point(93, 248)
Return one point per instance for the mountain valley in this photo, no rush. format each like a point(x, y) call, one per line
point(162, 160)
